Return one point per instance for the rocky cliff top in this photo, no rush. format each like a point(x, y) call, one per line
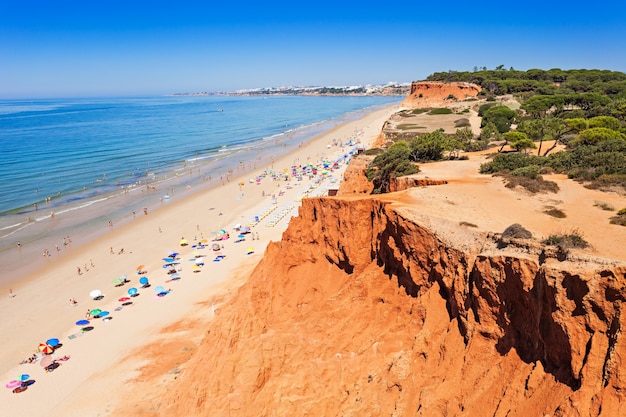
point(434, 93)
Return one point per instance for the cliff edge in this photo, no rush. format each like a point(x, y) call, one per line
point(361, 310)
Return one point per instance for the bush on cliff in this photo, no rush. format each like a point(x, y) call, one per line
point(517, 231)
point(574, 239)
point(394, 162)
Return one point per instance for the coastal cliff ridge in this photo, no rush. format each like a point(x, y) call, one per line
point(413, 304)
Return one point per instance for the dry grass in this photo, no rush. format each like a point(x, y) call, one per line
point(467, 224)
point(533, 185)
point(555, 212)
point(604, 206)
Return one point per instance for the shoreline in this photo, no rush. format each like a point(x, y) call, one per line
point(42, 297)
point(122, 206)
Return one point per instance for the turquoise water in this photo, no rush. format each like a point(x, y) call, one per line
point(92, 158)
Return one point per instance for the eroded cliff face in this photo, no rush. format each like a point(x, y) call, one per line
point(361, 311)
point(432, 93)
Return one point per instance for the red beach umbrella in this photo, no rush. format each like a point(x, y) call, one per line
point(123, 299)
point(46, 348)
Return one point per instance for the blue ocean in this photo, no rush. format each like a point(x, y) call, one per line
point(80, 156)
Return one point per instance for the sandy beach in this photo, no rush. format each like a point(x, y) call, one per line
point(38, 307)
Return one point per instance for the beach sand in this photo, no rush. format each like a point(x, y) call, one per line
point(101, 360)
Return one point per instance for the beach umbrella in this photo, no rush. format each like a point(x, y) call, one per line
point(103, 314)
point(140, 267)
point(118, 281)
point(13, 384)
point(160, 290)
point(53, 342)
point(95, 294)
point(45, 361)
point(24, 377)
point(123, 299)
point(143, 281)
point(172, 253)
point(95, 312)
point(45, 348)
point(169, 259)
point(249, 250)
point(196, 268)
point(82, 322)
point(199, 261)
point(183, 242)
point(132, 291)
point(175, 276)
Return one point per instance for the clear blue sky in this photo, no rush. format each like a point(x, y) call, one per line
point(123, 48)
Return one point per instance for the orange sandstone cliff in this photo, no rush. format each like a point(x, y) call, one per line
point(435, 93)
point(362, 311)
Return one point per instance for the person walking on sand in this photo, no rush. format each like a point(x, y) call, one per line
point(78, 269)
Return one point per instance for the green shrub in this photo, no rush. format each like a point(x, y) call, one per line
point(442, 110)
point(409, 126)
point(622, 212)
point(511, 161)
point(531, 171)
point(373, 151)
point(565, 241)
point(419, 111)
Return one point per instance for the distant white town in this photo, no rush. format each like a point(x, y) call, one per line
point(389, 89)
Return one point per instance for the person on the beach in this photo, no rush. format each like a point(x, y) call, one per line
point(88, 313)
point(11, 295)
point(78, 269)
point(73, 302)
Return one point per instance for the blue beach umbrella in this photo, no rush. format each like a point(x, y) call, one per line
point(132, 291)
point(53, 342)
point(24, 377)
point(104, 313)
point(159, 289)
point(82, 322)
point(143, 281)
